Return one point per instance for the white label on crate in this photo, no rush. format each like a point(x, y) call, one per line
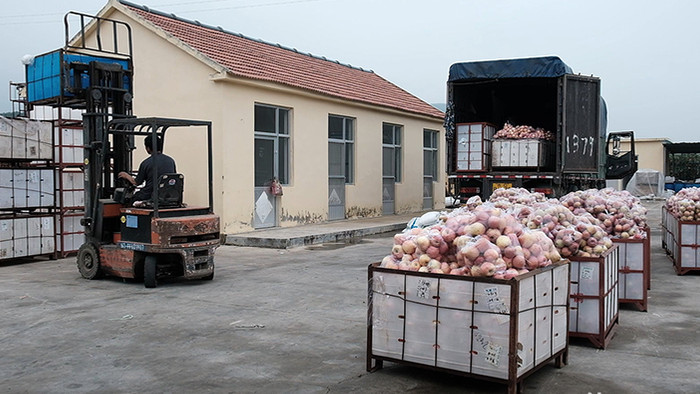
point(423, 289)
point(479, 339)
point(494, 302)
point(586, 272)
point(493, 353)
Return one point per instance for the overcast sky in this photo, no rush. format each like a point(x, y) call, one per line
point(645, 52)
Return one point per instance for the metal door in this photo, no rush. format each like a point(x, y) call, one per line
point(427, 192)
point(265, 211)
point(581, 124)
point(336, 180)
point(388, 180)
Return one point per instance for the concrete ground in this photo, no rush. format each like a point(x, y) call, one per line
point(292, 321)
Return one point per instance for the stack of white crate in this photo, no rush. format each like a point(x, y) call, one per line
point(473, 146)
point(27, 188)
point(521, 153)
point(22, 188)
point(24, 236)
point(22, 139)
point(68, 156)
point(69, 147)
point(72, 189)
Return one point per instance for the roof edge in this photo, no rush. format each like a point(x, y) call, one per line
point(261, 83)
point(222, 30)
point(123, 7)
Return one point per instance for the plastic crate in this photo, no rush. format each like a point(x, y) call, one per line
point(50, 80)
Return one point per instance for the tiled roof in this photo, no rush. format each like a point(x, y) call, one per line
point(255, 59)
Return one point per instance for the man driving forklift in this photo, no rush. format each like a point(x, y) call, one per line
point(160, 162)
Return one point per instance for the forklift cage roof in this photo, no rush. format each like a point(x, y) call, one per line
point(157, 127)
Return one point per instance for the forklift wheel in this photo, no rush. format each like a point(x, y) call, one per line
point(149, 272)
point(89, 261)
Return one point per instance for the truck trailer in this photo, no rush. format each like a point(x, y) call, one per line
point(540, 93)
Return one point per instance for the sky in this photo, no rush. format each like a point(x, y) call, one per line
point(645, 52)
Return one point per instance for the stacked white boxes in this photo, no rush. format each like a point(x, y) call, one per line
point(72, 189)
point(70, 233)
point(22, 139)
point(69, 157)
point(521, 153)
point(69, 149)
point(22, 188)
point(27, 188)
point(473, 146)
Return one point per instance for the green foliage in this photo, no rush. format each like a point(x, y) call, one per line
point(684, 166)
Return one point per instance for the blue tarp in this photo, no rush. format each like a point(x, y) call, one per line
point(534, 67)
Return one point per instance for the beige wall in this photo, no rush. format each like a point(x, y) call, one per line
point(650, 153)
point(170, 82)
point(305, 198)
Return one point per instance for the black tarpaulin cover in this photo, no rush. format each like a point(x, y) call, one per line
point(533, 67)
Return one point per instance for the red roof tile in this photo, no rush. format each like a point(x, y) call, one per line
point(249, 58)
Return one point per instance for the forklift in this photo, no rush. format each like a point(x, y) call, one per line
point(163, 237)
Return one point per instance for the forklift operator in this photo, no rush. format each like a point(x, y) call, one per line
point(159, 162)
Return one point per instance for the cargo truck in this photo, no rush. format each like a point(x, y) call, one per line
point(542, 93)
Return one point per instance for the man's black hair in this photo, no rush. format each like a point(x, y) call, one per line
point(148, 142)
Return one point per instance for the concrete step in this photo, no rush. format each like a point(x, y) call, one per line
point(310, 234)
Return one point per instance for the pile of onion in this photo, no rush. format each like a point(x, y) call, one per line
point(523, 132)
point(621, 214)
point(685, 205)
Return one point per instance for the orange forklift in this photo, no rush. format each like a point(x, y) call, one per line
point(162, 238)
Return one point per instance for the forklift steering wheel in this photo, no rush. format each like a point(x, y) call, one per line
point(128, 186)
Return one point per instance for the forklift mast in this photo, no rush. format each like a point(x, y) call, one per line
point(103, 88)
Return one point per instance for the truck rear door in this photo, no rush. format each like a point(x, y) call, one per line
point(580, 124)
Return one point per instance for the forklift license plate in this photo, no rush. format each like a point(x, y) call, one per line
point(503, 185)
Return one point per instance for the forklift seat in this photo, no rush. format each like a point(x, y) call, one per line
point(170, 189)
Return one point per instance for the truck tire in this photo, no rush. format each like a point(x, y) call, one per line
point(150, 266)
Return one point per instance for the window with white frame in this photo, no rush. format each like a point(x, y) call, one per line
point(271, 144)
point(341, 130)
